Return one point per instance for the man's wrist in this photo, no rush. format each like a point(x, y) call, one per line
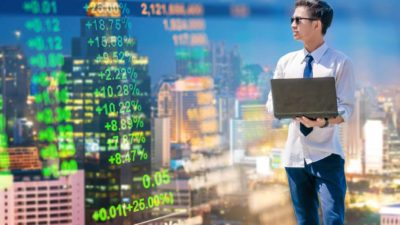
point(325, 124)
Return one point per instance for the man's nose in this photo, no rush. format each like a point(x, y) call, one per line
point(293, 25)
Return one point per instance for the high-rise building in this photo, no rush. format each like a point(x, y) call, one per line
point(109, 98)
point(164, 98)
point(191, 105)
point(59, 201)
point(162, 143)
point(28, 197)
point(373, 137)
point(15, 81)
point(226, 111)
point(167, 108)
point(351, 138)
point(392, 139)
point(391, 147)
point(225, 68)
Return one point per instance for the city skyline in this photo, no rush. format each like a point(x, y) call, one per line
point(197, 143)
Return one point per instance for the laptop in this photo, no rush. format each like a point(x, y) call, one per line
point(310, 97)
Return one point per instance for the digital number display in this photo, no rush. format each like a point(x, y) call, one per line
point(154, 112)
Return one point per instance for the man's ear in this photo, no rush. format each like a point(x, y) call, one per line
point(317, 24)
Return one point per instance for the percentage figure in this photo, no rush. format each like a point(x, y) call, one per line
point(131, 73)
point(139, 140)
point(128, 41)
point(166, 199)
point(135, 154)
point(138, 122)
point(126, 23)
point(134, 89)
point(136, 106)
point(124, 8)
point(142, 154)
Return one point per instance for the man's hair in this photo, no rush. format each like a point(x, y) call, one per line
point(319, 10)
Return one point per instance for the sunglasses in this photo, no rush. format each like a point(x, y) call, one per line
point(298, 19)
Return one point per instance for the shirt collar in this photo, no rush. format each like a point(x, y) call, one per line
point(317, 53)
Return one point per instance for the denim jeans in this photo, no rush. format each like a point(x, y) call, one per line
point(322, 182)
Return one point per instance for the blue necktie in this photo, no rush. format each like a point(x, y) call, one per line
point(307, 74)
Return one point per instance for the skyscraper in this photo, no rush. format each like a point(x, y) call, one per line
point(351, 135)
point(391, 147)
point(226, 68)
point(226, 111)
point(15, 81)
point(373, 134)
point(192, 110)
point(109, 99)
point(162, 143)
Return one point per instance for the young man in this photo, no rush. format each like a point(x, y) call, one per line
point(313, 157)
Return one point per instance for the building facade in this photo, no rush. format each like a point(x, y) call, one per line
point(59, 201)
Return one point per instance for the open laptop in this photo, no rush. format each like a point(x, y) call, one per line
point(310, 97)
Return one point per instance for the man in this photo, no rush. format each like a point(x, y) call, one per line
point(313, 157)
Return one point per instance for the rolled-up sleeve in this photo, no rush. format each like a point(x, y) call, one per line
point(345, 89)
point(277, 74)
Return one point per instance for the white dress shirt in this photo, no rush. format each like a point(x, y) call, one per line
point(321, 142)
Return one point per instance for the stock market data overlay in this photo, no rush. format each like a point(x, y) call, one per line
point(153, 112)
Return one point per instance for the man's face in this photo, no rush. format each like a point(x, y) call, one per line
point(305, 30)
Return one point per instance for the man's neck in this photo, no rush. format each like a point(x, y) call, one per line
point(313, 44)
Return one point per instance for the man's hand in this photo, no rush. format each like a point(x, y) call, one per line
point(336, 120)
point(319, 122)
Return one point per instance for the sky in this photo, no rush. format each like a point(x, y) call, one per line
point(368, 32)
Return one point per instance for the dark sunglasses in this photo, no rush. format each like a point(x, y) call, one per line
point(298, 19)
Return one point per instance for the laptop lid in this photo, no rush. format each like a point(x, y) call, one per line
point(310, 97)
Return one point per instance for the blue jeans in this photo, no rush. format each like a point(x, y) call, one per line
point(324, 179)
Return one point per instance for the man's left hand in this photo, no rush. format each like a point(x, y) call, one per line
point(336, 120)
point(319, 122)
